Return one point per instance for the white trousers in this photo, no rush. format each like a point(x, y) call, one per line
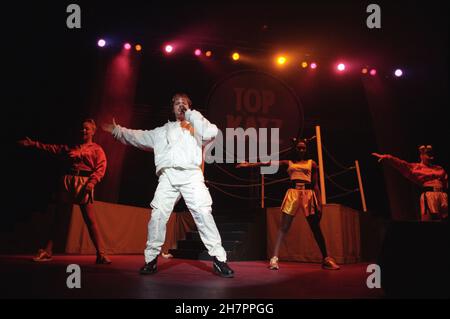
point(198, 200)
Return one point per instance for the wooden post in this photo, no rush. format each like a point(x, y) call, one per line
point(361, 189)
point(321, 172)
point(262, 190)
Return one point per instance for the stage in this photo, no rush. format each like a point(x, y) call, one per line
point(179, 279)
point(223, 109)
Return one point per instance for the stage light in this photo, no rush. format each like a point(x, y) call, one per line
point(235, 56)
point(281, 60)
point(208, 53)
point(138, 47)
point(313, 65)
point(168, 48)
point(198, 52)
point(373, 72)
point(398, 73)
point(341, 67)
point(101, 43)
point(127, 46)
point(304, 64)
point(364, 70)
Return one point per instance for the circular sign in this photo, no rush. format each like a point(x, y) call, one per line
point(252, 101)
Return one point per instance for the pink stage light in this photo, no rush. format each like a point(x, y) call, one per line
point(198, 52)
point(127, 46)
point(101, 43)
point(398, 73)
point(313, 65)
point(373, 72)
point(341, 67)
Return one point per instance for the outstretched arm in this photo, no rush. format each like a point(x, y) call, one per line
point(142, 139)
point(402, 166)
point(258, 164)
point(50, 148)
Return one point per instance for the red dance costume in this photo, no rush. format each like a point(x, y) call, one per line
point(434, 181)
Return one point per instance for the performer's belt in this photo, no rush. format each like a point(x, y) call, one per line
point(433, 189)
point(79, 172)
point(301, 186)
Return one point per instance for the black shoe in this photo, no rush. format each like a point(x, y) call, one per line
point(149, 268)
point(222, 269)
point(103, 260)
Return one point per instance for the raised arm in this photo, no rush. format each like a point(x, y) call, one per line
point(203, 129)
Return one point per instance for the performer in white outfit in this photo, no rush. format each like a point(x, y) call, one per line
point(178, 158)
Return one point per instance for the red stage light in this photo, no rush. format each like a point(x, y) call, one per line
point(168, 48)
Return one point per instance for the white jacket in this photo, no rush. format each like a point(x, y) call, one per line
point(174, 147)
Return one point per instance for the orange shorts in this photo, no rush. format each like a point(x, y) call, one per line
point(302, 201)
point(434, 205)
point(73, 190)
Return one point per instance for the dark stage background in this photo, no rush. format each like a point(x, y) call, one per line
point(53, 77)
